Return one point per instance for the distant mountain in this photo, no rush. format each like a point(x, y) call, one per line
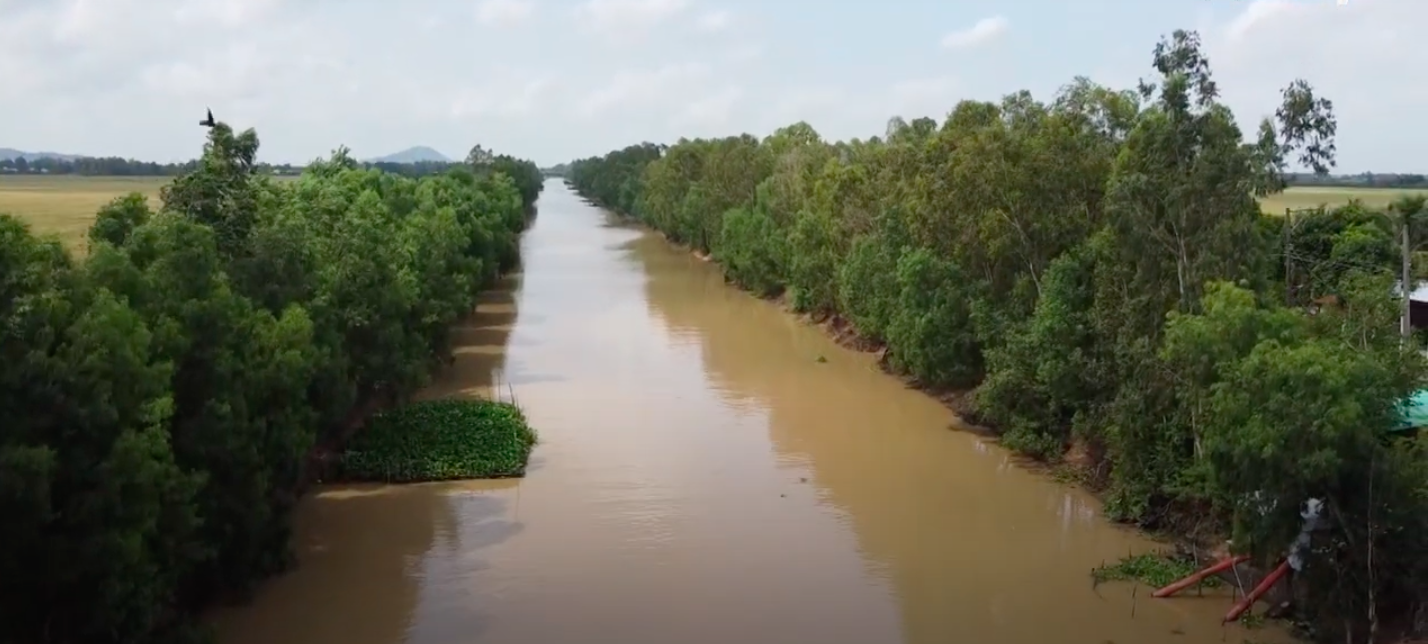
point(10, 154)
point(413, 155)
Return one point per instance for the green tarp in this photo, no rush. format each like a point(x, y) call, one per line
point(1413, 412)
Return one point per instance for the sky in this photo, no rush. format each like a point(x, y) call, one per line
point(555, 80)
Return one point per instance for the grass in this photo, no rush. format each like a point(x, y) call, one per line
point(1312, 197)
point(1154, 569)
point(65, 205)
point(438, 440)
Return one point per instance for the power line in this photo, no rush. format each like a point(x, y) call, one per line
point(1341, 263)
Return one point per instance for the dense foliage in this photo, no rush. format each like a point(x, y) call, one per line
point(159, 401)
point(1362, 180)
point(1098, 269)
point(439, 440)
point(93, 166)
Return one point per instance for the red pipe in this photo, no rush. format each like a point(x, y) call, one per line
point(1248, 600)
point(1224, 564)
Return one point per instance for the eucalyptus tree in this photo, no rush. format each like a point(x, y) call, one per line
point(160, 400)
point(1097, 270)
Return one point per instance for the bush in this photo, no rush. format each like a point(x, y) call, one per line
point(441, 440)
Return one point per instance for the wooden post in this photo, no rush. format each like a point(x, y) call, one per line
point(1288, 257)
point(1405, 326)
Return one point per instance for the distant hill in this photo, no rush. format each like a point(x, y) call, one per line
point(10, 154)
point(413, 155)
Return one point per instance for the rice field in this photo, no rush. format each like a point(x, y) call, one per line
point(65, 205)
point(1297, 198)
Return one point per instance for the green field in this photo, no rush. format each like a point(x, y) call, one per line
point(1296, 198)
point(65, 205)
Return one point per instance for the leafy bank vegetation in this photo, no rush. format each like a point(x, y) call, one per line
point(1097, 271)
point(1155, 569)
point(438, 440)
point(160, 400)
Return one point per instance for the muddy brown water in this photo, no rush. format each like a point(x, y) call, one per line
point(703, 478)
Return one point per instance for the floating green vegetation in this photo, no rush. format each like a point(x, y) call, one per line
point(1155, 569)
point(440, 440)
point(1251, 619)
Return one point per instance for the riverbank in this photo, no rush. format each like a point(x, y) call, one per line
point(1199, 544)
point(194, 357)
point(843, 332)
point(691, 438)
point(323, 464)
point(1192, 541)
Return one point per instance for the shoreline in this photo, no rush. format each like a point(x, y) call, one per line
point(1076, 468)
point(329, 446)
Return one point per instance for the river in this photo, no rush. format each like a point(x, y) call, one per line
point(703, 477)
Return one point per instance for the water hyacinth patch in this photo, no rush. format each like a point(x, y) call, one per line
point(440, 440)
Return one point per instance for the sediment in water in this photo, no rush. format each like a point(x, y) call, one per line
point(1079, 466)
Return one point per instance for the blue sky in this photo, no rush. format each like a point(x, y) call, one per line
point(558, 79)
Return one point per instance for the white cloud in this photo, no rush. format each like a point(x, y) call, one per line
point(714, 21)
point(985, 31)
point(804, 104)
point(1353, 54)
point(305, 75)
point(504, 12)
point(922, 97)
point(624, 19)
point(744, 54)
point(19, 33)
point(713, 110)
point(85, 19)
point(922, 89)
point(1256, 13)
point(232, 14)
point(228, 74)
point(644, 88)
point(510, 94)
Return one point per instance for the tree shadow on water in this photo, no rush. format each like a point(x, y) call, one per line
point(478, 346)
point(454, 566)
point(364, 554)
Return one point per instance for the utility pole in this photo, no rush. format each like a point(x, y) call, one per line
point(1288, 257)
point(1404, 326)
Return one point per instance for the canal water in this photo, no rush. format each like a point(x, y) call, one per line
point(711, 470)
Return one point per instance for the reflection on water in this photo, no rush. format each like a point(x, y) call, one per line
point(479, 346)
point(366, 556)
point(702, 477)
point(976, 548)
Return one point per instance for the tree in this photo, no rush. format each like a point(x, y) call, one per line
point(160, 400)
point(1096, 267)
